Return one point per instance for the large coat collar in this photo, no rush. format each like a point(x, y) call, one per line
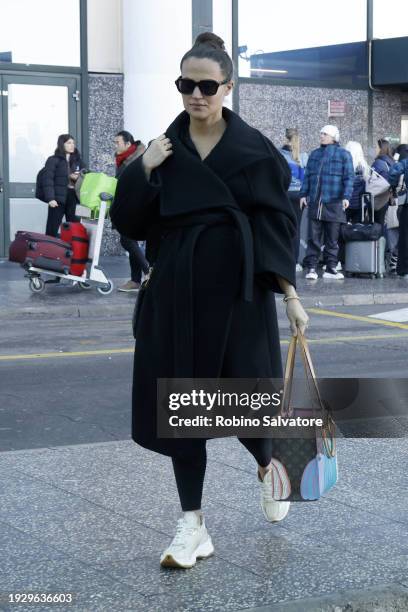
point(189, 184)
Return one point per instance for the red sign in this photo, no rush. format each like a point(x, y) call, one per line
point(336, 108)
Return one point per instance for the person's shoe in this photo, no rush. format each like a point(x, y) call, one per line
point(190, 543)
point(339, 267)
point(272, 509)
point(129, 286)
point(330, 273)
point(299, 268)
point(312, 274)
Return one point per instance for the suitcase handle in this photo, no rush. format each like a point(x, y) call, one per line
point(370, 195)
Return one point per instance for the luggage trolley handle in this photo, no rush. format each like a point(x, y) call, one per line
point(363, 202)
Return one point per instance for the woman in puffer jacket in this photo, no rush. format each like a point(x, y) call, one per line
point(61, 172)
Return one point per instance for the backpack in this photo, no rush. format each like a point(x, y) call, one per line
point(39, 189)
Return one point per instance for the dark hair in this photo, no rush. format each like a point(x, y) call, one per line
point(210, 46)
point(401, 148)
point(62, 139)
point(403, 151)
point(384, 146)
point(127, 137)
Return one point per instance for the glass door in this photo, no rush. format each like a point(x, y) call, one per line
point(36, 109)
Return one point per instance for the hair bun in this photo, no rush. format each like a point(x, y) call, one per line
point(209, 39)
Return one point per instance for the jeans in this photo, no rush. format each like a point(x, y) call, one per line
point(137, 259)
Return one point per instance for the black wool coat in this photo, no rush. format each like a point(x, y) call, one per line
point(55, 178)
point(218, 233)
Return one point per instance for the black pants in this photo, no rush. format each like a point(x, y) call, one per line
point(55, 215)
point(189, 473)
point(137, 260)
point(322, 232)
point(402, 264)
point(295, 200)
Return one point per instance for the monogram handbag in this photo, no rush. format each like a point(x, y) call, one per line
point(304, 467)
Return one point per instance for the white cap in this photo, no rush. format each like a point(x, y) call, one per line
point(331, 130)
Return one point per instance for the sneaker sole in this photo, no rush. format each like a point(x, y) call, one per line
point(203, 552)
point(128, 290)
point(276, 520)
point(332, 277)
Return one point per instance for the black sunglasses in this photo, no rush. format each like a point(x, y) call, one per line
point(208, 87)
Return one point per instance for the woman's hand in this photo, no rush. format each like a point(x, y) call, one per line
point(74, 176)
point(297, 316)
point(158, 151)
point(53, 204)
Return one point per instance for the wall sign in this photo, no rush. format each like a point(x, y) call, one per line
point(336, 108)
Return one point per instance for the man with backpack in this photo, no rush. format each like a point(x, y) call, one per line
point(326, 191)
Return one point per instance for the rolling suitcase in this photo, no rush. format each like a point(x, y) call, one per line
point(77, 235)
point(41, 251)
point(365, 247)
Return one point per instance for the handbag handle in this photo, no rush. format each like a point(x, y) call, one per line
point(328, 437)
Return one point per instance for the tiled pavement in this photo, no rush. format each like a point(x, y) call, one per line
point(93, 519)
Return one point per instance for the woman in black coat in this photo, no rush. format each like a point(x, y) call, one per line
point(210, 198)
point(61, 172)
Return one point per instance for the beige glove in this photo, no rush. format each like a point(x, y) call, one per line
point(296, 315)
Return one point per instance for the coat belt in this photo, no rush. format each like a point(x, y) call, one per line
point(183, 285)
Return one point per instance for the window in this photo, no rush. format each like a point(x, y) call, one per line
point(40, 32)
point(319, 40)
point(390, 19)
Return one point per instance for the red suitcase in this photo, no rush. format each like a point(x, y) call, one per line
point(76, 234)
point(41, 251)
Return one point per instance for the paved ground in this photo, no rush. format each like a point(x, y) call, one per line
point(16, 300)
point(84, 510)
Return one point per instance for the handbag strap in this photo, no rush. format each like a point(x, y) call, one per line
point(328, 437)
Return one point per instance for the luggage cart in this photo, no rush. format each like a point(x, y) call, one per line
point(93, 275)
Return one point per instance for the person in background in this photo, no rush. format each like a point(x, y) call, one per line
point(399, 169)
point(60, 174)
point(127, 150)
point(384, 159)
point(326, 189)
point(382, 164)
point(362, 172)
point(297, 163)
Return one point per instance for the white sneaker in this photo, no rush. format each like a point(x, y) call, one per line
point(312, 274)
point(298, 267)
point(273, 510)
point(330, 273)
point(190, 543)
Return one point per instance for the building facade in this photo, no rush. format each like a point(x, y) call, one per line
point(94, 67)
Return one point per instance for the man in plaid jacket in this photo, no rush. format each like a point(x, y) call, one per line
point(326, 191)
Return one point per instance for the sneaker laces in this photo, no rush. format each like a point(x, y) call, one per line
point(182, 532)
point(266, 490)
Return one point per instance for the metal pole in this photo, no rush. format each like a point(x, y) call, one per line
point(84, 81)
point(202, 17)
point(235, 57)
point(370, 92)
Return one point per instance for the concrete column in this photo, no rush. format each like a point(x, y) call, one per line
point(156, 34)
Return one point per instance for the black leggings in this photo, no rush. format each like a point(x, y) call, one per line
point(189, 473)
